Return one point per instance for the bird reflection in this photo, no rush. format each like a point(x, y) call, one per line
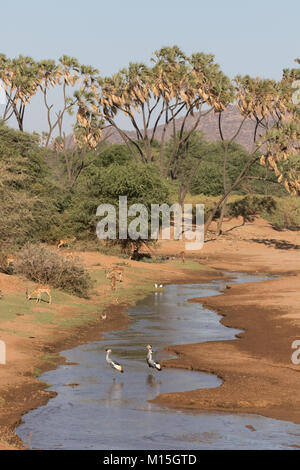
point(114, 394)
point(153, 387)
point(150, 380)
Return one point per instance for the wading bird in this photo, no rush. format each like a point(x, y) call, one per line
point(150, 361)
point(113, 364)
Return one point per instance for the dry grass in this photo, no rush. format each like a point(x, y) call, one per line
point(45, 266)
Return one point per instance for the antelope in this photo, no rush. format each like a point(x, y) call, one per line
point(113, 282)
point(66, 242)
point(39, 290)
point(117, 273)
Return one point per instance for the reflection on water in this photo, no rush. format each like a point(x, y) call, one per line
point(101, 413)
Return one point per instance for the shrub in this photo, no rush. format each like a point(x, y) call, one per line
point(43, 265)
point(28, 198)
point(251, 206)
point(140, 183)
point(287, 214)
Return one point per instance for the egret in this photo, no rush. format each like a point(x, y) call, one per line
point(150, 361)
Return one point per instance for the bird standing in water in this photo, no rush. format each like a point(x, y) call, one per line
point(151, 363)
point(113, 364)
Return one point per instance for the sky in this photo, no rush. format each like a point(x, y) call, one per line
point(257, 37)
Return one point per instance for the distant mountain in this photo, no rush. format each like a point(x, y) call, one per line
point(231, 120)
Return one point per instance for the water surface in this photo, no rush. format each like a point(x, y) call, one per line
point(101, 413)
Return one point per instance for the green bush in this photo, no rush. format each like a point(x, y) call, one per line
point(286, 215)
point(115, 153)
point(140, 183)
point(27, 195)
point(250, 207)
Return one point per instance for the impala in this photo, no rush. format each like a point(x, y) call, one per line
point(66, 242)
point(117, 273)
point(38, 291)
point(113, 282)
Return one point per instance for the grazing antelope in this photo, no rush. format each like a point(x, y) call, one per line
point(66, 242)
point(39, 291)
point(182, 256)
point(117, 273)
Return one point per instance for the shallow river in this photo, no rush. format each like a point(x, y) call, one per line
point(101, 413)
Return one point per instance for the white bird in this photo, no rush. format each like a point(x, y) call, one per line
point(103, 316)
point(156, 286)
point(161, 286)
point(113, 364)
point(150, 361)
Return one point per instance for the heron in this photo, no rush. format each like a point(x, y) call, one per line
point(113, 364)
point(151, 363)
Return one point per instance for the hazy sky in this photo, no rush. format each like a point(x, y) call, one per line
point(256, 37)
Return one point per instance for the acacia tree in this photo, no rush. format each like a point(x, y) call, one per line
point(20, 78)
point(152, 97)
point(275, 136)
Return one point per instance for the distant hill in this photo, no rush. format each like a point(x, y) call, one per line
point(231, 120)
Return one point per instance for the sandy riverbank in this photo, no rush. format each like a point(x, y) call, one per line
point(257, 371)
